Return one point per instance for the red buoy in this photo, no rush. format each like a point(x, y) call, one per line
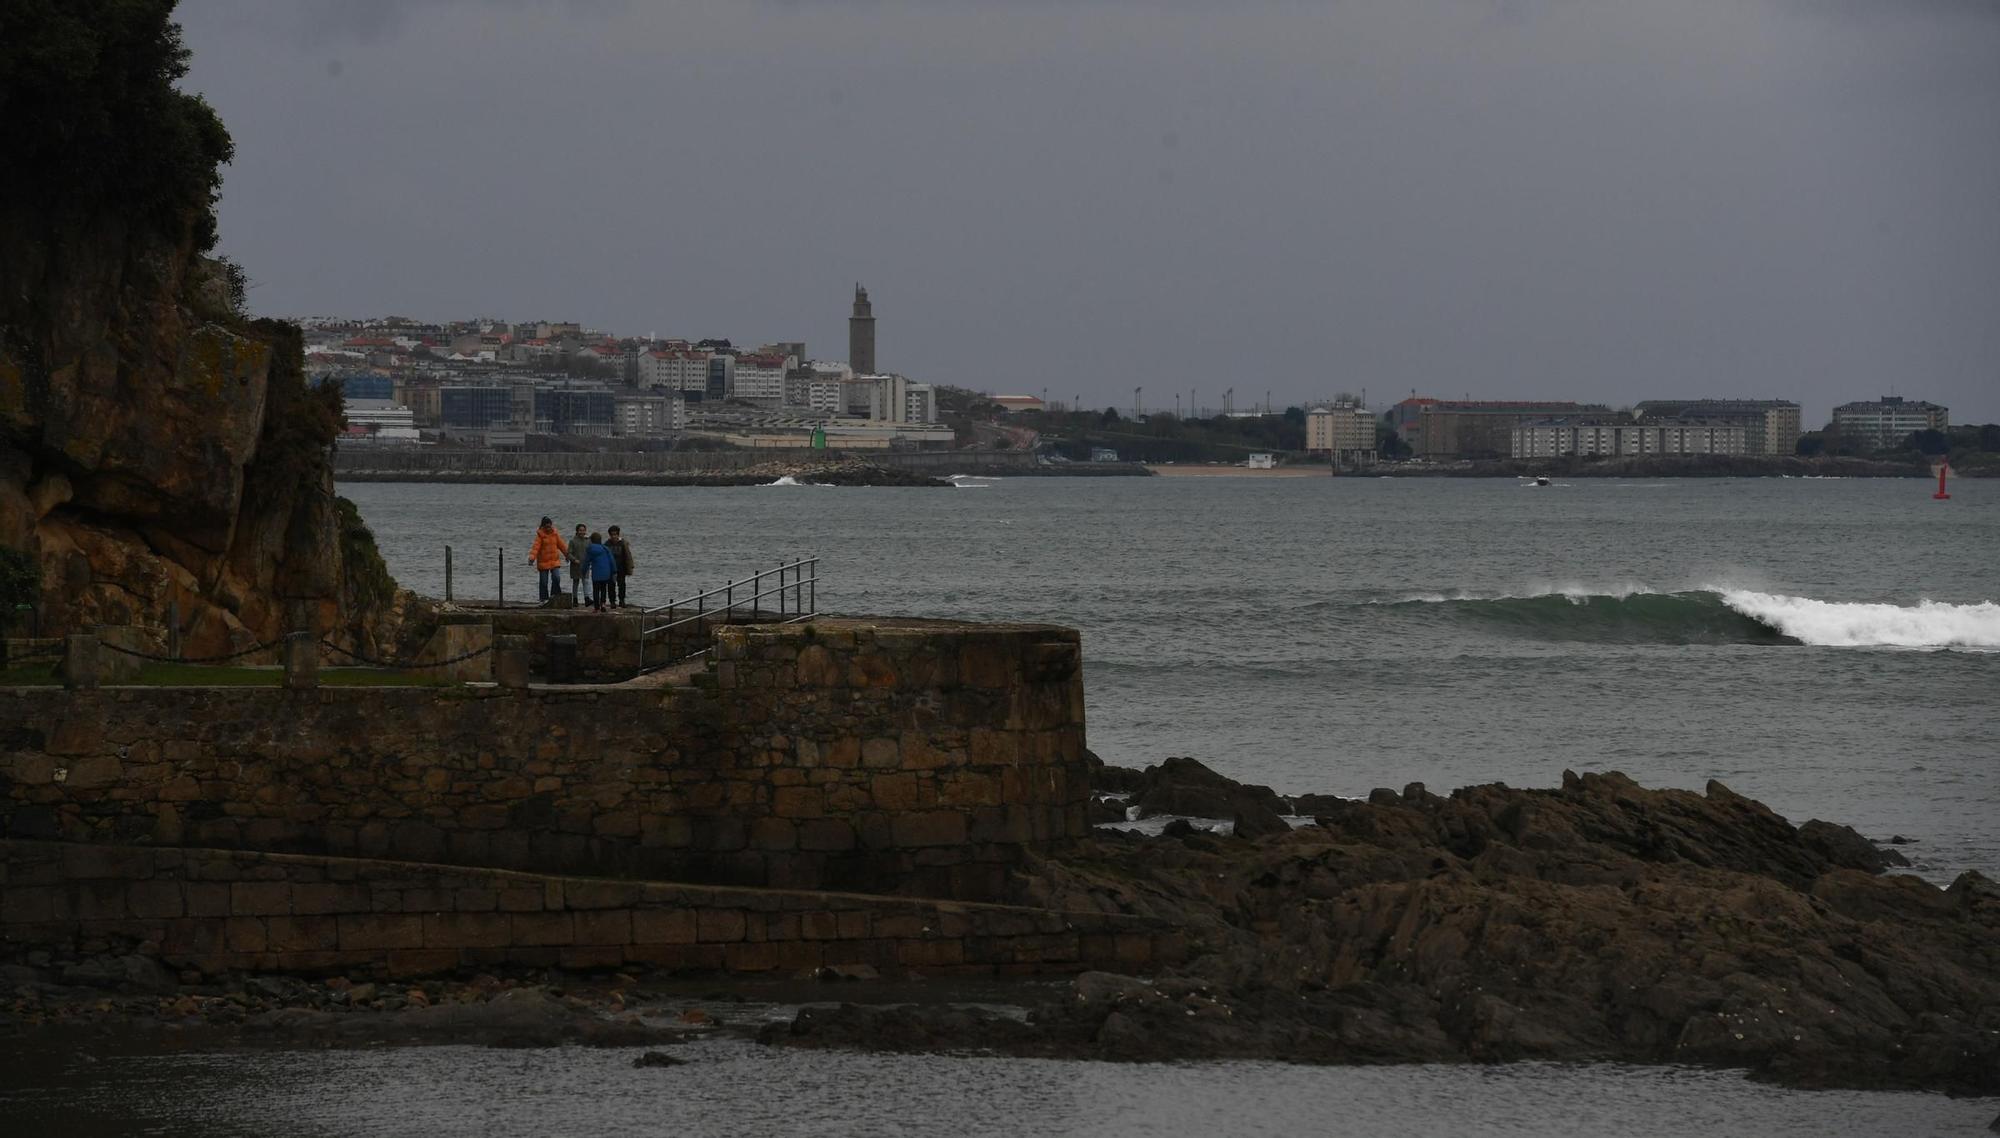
point(1940, 496)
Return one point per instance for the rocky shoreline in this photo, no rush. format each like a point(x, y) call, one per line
point(1596, 921)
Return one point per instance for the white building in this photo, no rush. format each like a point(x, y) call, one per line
point(380, 421)
point(649, 416)
point(671, 369)
point(1556, 438)
point(1886, 422)
point(815, 387)
point(1344, 432)
point(761, 379)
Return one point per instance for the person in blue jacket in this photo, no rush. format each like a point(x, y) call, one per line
point(603, 567)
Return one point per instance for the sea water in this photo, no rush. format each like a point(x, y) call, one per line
point(1829, 647)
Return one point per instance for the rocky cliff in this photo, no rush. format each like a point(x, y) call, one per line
point(157, 448)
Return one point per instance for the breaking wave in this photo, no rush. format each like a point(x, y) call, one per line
point(1729, 616)
point(1926, 624)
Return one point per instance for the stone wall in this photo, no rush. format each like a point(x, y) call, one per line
point(220, 911)
point(892, 757)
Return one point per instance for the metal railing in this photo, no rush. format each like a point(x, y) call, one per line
point(797, 598)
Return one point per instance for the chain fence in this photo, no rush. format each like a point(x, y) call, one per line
point(160, 658)
point(371, 662)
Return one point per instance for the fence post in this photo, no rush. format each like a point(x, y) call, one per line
point(174, 628)
point(447, 572)
point(510, 661)
point(301, 659)
point(500, 559)
point(80, 662)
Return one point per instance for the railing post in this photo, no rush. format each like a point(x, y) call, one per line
point(173, 628)
point(501, 560)
point(757, 596)
point(447, 572)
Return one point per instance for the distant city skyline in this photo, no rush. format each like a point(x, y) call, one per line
point(1526, 200)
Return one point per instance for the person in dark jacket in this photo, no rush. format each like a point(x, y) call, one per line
point(622, 550)
point(579, 566)
point(603, 569)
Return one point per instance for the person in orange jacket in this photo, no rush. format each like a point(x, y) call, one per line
point(547, 556)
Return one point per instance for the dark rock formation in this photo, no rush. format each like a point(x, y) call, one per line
point(1597, 921)
point(156, 447)
point(1185, 786)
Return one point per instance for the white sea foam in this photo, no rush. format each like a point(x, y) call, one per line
point(788, 480)
point(1926, 624)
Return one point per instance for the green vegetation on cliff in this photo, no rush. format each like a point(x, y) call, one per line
point(94, 123)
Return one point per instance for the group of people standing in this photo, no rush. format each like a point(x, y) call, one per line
point(602, 559)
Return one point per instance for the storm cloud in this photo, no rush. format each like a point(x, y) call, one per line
point(1530, 198)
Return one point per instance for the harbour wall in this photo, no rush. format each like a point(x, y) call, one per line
point(219, 911)
point(912, 758)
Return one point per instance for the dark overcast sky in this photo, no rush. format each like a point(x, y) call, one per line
point(1582, 199)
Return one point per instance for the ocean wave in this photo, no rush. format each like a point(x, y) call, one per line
point(1637, 614)
point(1832, 624)
point(788, 480)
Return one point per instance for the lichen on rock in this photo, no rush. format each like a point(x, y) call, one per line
point(158, 451)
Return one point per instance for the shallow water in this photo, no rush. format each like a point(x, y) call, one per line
point(730, 1087)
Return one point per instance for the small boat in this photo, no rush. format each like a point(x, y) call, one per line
point(1541, 480)
point(1534, 480)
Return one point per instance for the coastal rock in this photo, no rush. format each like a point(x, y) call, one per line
point(158, 449)
point(1187, 787)
point(1601, 920)
point(1842, 845)
point(1252, 821)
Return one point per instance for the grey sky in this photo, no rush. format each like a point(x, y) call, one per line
point(1585, 199)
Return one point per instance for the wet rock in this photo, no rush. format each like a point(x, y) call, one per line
point(1255, 822)
point(1117, 780)
point(1186, 786)
point(1103, 810)
point(1178, 828)
point(274, 987)
point(658, 1059)
point(1110, 988)
point(1843, 846)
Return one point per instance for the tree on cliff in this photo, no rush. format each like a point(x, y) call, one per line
point(93, 120)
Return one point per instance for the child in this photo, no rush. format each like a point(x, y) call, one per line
point(603, 567)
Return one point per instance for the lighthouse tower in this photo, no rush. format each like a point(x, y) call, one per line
point(861, 334)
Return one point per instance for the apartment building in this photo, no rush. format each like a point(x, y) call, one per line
point(1447, 429)
point(1886, 422)
point(1609, 437)
point(760, 379)
point(648, 415)
point(1770, 426)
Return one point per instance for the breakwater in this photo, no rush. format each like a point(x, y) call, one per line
point(924, 759)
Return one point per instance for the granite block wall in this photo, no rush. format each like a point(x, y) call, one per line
point(916, 758)
point(220, 911)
